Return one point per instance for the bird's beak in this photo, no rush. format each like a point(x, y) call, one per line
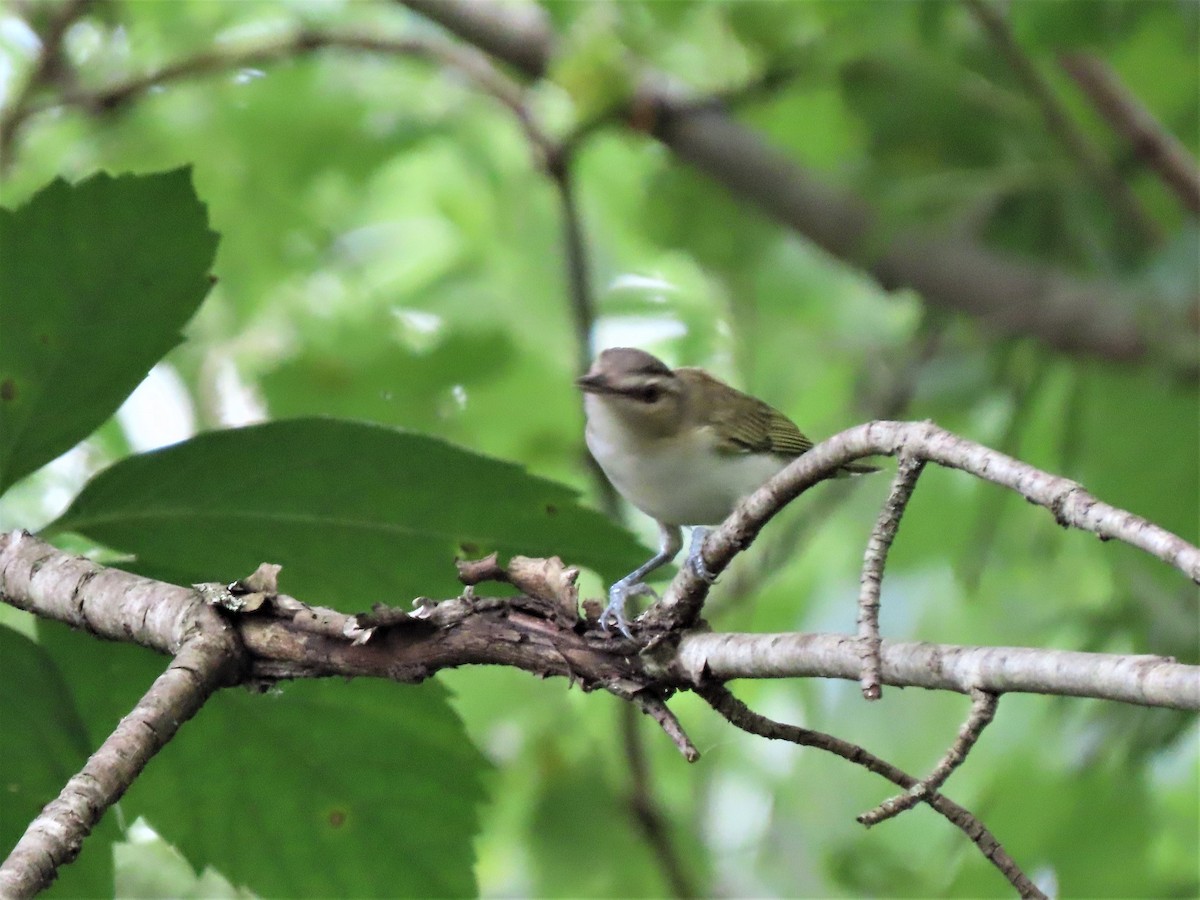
point(594, 383)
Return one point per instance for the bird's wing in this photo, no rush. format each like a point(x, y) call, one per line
point(749, 425)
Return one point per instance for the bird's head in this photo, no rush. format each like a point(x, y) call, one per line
point(637, 388)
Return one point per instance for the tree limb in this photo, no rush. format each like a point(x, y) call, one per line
point(120, 606)
point(1131, 120)
point(1008, 295)
point(277, 637)
point(1142, 680)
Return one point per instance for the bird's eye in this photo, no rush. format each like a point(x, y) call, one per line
point(649, 394)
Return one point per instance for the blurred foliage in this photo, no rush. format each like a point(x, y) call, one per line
point(391, 253)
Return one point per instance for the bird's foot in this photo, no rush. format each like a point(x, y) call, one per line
point(695, 557)
point(618, 596)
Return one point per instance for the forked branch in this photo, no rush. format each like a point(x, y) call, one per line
point(740, 715)
point(1071, 505)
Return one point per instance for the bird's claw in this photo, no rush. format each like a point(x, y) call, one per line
point(700, 569)
point(695, 558)
point(614, 613)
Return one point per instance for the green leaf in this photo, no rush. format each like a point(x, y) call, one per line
point(355, 513)
point(98, 279)
point(382, 382)
point(42, 744)
point(363, 789)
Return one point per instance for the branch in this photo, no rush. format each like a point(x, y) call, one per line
point(1142, 680)
point(1059, 122)
point(1129, 118)
point(1066, 499)
point(470, 63)
point(871, 580)
point(276, 637)
point(1008, 295)
point(120, 606)
point(646, 811)
point(740, 715)
point(983, 709)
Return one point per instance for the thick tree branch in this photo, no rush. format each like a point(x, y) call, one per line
point(1008, 295)
point(951, 272)
point(275, 637)
point(540, 634)
point(1144, 680)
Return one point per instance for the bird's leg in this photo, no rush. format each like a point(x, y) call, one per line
point(669, 542)
point(695, 557)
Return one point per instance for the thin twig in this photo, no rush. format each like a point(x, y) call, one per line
point(582, 301)
point(983, 709)
point(473, 64)
point(874, 559)
point(1060, 123)
point(741, 716)
point(644, 806)
point(654, 706)
point(1130, 119)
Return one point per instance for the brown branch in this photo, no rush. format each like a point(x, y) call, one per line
point(1007, 294)
point(1066, 499)
point(1131, 120)
point(1059, 122)
point(538, 631)
point(874, 559)
point(983, 709)
point(654, 706)
point(579, 292)
point(741, 716)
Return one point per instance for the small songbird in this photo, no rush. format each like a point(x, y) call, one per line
point(683, 448)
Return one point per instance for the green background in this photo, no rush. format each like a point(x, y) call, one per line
point(391, 300)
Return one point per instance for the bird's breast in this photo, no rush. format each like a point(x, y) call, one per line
point(678, 480)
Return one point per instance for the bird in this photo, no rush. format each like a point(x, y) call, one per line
point(684, 448)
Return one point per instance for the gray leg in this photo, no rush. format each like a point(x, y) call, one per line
point(695, 558)
point(669, 541)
